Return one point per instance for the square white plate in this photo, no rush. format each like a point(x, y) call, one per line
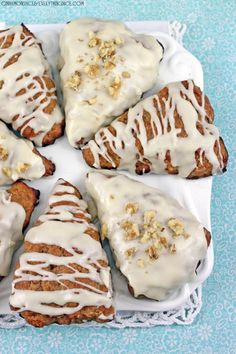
point(177, 64)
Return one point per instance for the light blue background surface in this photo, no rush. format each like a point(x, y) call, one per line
point(211, 37)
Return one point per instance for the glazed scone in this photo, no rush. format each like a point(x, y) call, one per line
point(16, 207)
point(63, 275)
point(105, 68)
point(27, 92)
point(171, 132)
point(156, 243)
point(19, 159)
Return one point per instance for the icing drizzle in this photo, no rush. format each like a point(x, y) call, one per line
point(66, 224)
point(105, 69)
point(27, 92)
point(163, 136)
point(157, 244)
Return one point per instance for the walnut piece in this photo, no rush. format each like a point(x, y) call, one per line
point(140, 263)
point(115, 86)
point(7, 171)
point(130, 252)
point(172, 248)
point(22, 167)
point(74, 81)
point(131, 230)
point(109, 65)
point(92, 70)
point(176, 226)
point(126, 74)
point(3, 153)
point(92, 100)
point(131, 208)
point(152, 252)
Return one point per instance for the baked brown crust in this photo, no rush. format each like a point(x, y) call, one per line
point(143, 165)
point(48, 164)
point(44, 83)
point(26, 196)
point(85, 313)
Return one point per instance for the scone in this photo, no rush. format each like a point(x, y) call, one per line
point(105, 68)
point(171, 132)
point(156, 243)
point(63, 275)
point(27, 91)
point(19, 159)
point(16, 206)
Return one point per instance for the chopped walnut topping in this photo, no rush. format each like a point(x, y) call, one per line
point(22, 167)
point(146, 236)
point(115, 87)
point(131, 208)
point(92, 70)
point(130, 252)
point(106, 50)
point(172, 248)
point(177, 226)
point(119, 40)
point(163, 241)
point(149, 216)
point(131, 229)
point(152, 252)
point(104, 231)
point(93, 42)
point(109, 65)
point(3, 153)
point(126, 74)
point(140, 263)
point(74, 81)
point(92, 100)
point(7, 171)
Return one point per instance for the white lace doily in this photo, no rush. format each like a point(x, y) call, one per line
point(183, 315)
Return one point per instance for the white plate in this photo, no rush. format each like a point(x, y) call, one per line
point(177, 64)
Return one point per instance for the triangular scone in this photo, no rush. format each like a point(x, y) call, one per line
point(157, 244)
point(105, 69)
point(16, 207)
point(27, 92)
point(171, 132)
point(19, 159)
point(63, 275)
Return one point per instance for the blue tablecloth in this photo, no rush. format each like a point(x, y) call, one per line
point(211, 37)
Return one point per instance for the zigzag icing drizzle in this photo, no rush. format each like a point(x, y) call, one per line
point(64, 225)
point(24, 94)
point(164, 134)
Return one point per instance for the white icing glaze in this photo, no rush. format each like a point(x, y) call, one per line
point(20, 152)
point(71, 236)
point(182, 150)
point(158, 278)
point(138, 54)
point(12, 217)
point(31, 109)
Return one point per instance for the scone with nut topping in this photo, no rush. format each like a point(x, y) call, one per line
point(19, 159)
point(157, 244)
point(105, 68)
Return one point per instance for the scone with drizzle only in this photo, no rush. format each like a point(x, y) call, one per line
point(63, 275)
point(105, 68)
point(171, 132)
point(156, 243)
point(19, 159)
point(27, 91)
point(16, 206)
